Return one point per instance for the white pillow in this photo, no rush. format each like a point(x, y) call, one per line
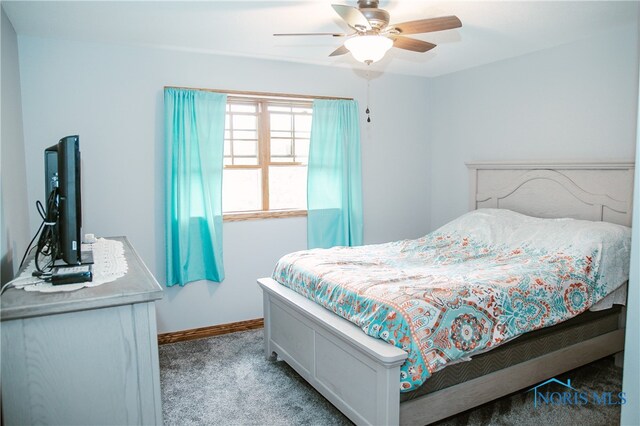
point(501, 227)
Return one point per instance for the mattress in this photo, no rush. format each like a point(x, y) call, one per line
point(528, 346)
point(471, 286)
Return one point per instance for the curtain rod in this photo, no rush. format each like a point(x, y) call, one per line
point(260, 94)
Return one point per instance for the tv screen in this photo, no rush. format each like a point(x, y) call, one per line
point(62, 171)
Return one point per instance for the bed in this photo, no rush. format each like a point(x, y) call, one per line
point(361, 375)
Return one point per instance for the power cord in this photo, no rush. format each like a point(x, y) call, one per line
point(14, 281)
point(29, 248)
point(48, 242)
point(47, 245)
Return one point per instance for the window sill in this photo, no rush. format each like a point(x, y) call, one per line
point(256, 215)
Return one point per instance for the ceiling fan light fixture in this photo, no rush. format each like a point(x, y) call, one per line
point(368, 48)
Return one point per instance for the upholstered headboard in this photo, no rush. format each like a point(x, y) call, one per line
point(593, 191)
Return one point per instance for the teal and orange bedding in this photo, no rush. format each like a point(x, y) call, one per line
point(476, 283)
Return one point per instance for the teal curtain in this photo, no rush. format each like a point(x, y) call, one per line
point(194, 140)
point(334, 182)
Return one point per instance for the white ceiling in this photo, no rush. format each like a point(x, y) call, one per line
point(491, 31)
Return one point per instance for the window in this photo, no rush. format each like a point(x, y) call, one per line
point(266, 149)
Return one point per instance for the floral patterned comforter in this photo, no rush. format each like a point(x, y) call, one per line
point(476, 283)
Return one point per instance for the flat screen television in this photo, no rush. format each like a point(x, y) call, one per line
point(62, 174)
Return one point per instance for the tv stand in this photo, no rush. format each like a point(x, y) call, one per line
point(88, 356)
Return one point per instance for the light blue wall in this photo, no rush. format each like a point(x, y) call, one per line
point(112, 97)
point(14, 227)
point(576, 101)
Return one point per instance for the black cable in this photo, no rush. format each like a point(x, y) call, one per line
point(48, 242)
point(48, 231)
point(43, 214)
point(29, 248)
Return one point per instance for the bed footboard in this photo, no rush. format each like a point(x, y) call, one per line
point(358, 374)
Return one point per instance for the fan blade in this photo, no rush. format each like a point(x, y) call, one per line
point(411, 44)
point(352, 16)
point(428, 25)
point(312, 34)
point(340, 51)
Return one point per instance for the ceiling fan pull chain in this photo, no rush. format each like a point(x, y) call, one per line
point(368, 91)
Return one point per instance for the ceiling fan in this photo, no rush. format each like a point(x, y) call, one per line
point(373, 35)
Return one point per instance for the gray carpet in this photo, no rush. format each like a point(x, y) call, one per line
point(226, 380)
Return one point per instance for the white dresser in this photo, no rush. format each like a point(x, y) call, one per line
point(84, 357)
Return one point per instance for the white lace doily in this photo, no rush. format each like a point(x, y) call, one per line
point(109, 264)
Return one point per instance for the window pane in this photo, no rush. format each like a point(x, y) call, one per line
point(305, 110)
point(245, 161)
point(227, 147)
point(245, 148)
point(281, 134)
point(241, 190)
point(243, 107)
point(227, 120)
point(244, 122)
point(281, 147)
point(302, 148)
point(245, 134)
point(287, 187)
point(227, 161)
point(303, 123)
point(280, 122)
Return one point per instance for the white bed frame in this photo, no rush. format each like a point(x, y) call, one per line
point(360, 375)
